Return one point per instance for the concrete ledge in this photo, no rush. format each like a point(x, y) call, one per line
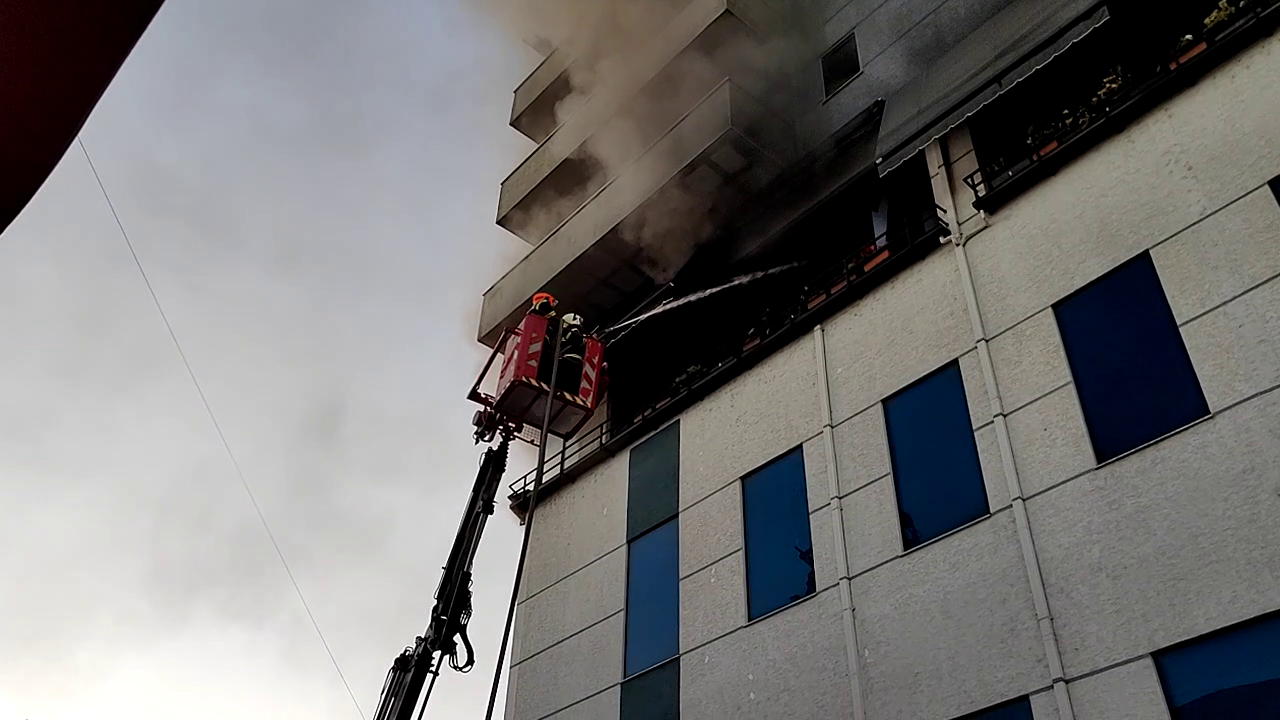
point(591, 274)
point(684, 52)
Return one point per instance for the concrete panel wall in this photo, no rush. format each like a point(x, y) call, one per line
point(873, 533)
point(1168, 543)
point(1050, 441)
point(761, 414)
point(949, 628)
point(1167, 171)
point(1044, 706)
point(913, 324)
point(1029, 361)
point(1236, 348)
point(580, 523)
point(1131, 692)
point(862, 449)
point(579, 601)
point(1221, 257)
point(713, 602)
point(598, 707)
point(897, 40)
point(1176, 540)
point(788, 665)
point(569, 672)
point(817, 484)
point(711, 529)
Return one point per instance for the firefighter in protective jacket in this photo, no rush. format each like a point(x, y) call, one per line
point(572, 347)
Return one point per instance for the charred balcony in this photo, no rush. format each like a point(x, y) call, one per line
point(1145, 54)
point(592, 115)
point(642, 225)
point(856, 239)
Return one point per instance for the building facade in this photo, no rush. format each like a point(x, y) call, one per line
point(1004, 444)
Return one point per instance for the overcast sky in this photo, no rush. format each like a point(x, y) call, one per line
point(311, 185)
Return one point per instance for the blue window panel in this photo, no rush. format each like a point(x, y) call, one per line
point(653, 598)
point(934, 456)
point(779, 547)
point(1233, 674)
point(653, 484)
point(655, 695)
point(1131, 368)
point(1019, 709)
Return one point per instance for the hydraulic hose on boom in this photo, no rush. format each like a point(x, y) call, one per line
point(452, 610)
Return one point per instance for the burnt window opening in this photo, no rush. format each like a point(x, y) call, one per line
point(1143, 43)
point(860, 226)
point(840, 65)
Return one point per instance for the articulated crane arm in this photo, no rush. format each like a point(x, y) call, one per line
point(452, 610)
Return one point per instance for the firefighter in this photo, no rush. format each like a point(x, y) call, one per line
point(544, 305)
point(572, 347)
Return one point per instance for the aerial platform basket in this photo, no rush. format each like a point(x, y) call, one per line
point(520, 400)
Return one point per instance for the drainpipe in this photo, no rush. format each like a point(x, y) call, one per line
point(1039, 597)
point(837, 527)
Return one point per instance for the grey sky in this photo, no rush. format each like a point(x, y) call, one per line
point(311, 186)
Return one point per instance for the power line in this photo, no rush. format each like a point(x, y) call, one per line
point(218, 428)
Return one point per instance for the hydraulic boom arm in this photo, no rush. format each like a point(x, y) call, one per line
point(452, 610)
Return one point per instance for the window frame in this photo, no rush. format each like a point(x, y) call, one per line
point(627, 673)
point(1267, 618)
point(742, 528)
point(644, 518)
point(1083, 413)
point(894, 474)
point(1022, 700)
point(845, 39)
point(649, 676)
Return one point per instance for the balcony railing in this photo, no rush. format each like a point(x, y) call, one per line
point(1119, 100)
point(828, 292)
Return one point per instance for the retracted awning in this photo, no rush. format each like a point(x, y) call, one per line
point(1006, 49)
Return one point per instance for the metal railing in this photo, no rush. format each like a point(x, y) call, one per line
point(844, 280)
point(1122, 96)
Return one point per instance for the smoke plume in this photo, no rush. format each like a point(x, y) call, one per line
point(625, 95)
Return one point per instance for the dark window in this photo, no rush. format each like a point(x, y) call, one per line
point(779, 548)
point(653, 598)
point(653, 486)
point(1275, 187)
point(1019, 709)
point(654, 695)
point(1131, 368)
point(840, 65)
point(935, 458)
point(1234, 674)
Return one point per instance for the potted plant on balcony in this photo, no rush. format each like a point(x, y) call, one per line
point(1217, 26)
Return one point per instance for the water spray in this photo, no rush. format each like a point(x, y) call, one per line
point(671, 304)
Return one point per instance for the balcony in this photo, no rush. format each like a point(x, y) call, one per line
point(796, 311)
point(534, 105)
point(640, 227)
point(1098, 87)
point(585, 139)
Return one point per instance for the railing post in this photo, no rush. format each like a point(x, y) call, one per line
point(564, 448)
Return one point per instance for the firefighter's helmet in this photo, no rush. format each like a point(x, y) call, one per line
point(572, 320)
point(543, 303)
